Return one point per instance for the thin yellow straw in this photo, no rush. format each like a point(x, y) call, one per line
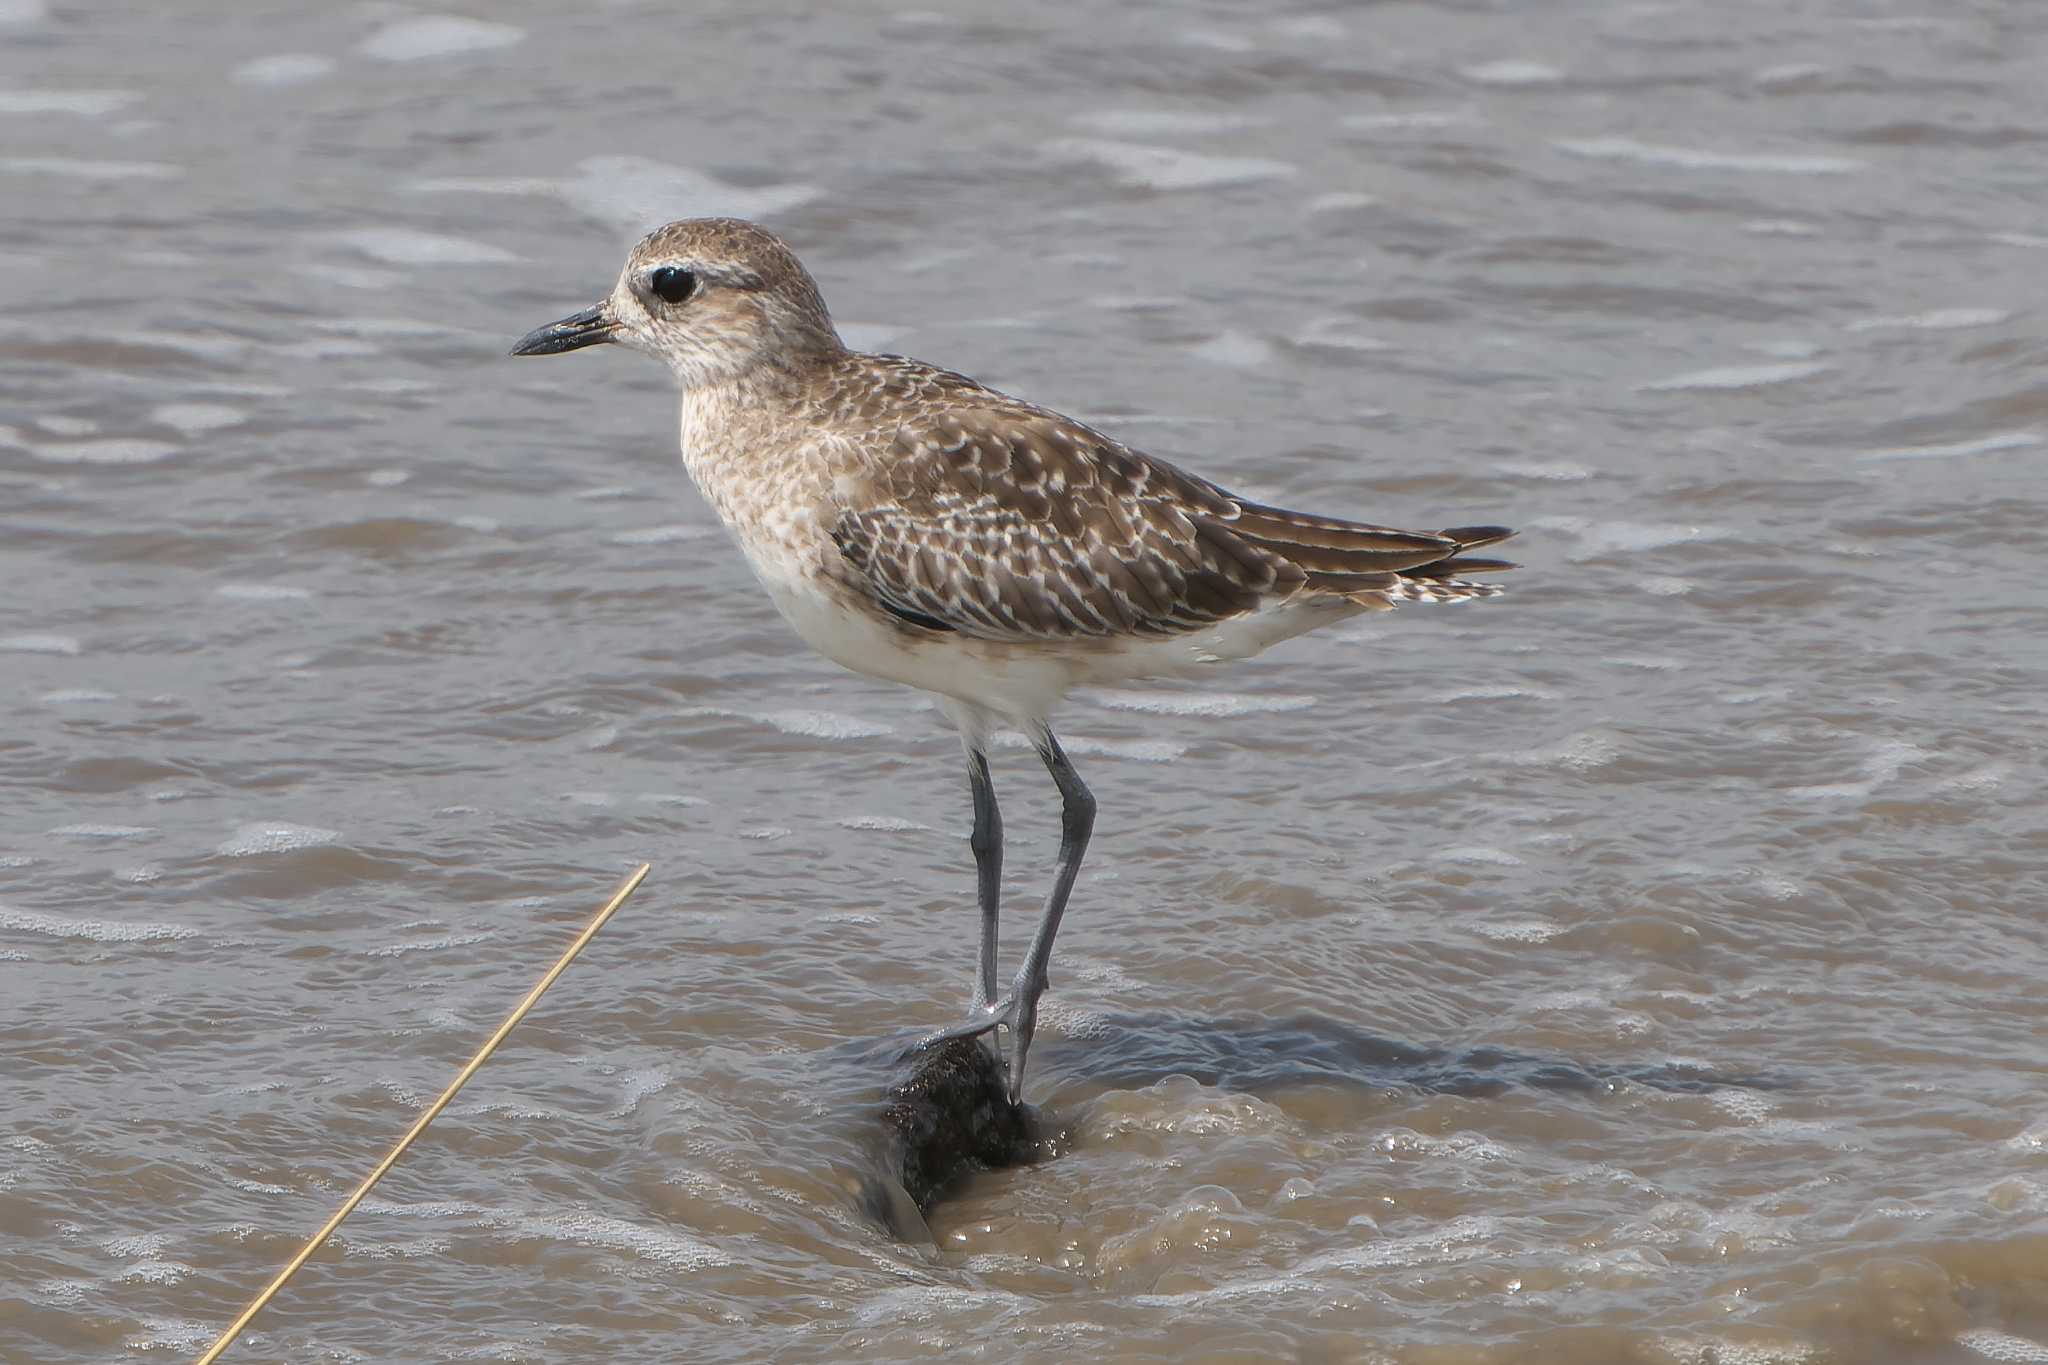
point(234, 1330)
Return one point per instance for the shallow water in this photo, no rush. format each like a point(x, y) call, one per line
point(1647, 966)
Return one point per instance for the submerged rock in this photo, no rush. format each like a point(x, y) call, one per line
point(948, 1117)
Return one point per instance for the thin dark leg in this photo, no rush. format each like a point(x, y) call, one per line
point(1077, 822)
point(987, 843)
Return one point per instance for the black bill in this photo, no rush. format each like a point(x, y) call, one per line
point(590, 327)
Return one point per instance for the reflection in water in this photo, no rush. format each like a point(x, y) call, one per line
point(1257, 1057)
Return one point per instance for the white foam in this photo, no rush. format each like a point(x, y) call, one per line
point(194, 418)
point(1159, 122)
point(886, 824)
point(409, 246)
point(1519, 930)
point(1183, 1105)
point(1790, 73)
point(75, 169)
point(1881, 764)
point(39, 644)
point(1500, 692)
point(438, 35)
point(1421, 120)
point(1986, 777)
point(282, 68)
point(89, 830)
point(1168, 168)
point(1235, 350)
point(1556, 471)
point(1206, 704)
point(2002, 1346)
point(822, 724)
point(1597, 538)
point(209, 346)
point(1479, 855)
point(147, 1245)
point(434, 1208)
point(640, 1084)
point(261, 592)
point(64, 424)
point(809, 724)
point(629, 192)
point(425, 945)
point(275, 837)
point(77, 696)
point(110, 451)
point(675, 1250)
point(1138, 750)
point(173, 1334)
point(1579, 753)
point(1738, 377)
point(1455, 1146)
point(1692, 159)
point(1983, 445)
point(656, 535)
point(91, 103)
point(154, 1272)
point(1780, 227)
point(1936, 320)
point(98, 931)
point(1511, 73)
point(1464, 1238)
point(1744, 1105)
point(23, 11)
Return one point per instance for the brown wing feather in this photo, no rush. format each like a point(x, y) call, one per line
point(1024, 526)
point(1005, 521)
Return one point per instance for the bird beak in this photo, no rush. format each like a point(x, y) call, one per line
point(590, 327)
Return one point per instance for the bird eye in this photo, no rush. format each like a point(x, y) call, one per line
point(672, 283)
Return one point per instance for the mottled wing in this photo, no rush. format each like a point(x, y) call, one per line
point(1001, 520)
point(1022, 526)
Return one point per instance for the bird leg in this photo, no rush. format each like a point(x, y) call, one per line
point(987, 843)
point(1019, 1009)
point(1077, 822)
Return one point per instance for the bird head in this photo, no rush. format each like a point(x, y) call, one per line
point(712, 298)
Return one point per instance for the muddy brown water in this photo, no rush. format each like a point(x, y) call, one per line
point(1647, 966)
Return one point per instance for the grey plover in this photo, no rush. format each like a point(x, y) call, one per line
point(917, 526)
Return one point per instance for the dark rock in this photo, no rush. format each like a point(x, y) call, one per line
point(947, 1118)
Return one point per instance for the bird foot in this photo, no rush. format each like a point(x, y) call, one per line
point(1017, 1013)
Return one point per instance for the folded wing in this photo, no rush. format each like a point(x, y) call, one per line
point(1020, 525)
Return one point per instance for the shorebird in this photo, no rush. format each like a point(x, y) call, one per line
point(917, 526)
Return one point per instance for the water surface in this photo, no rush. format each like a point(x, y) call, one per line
point(1647, 966)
